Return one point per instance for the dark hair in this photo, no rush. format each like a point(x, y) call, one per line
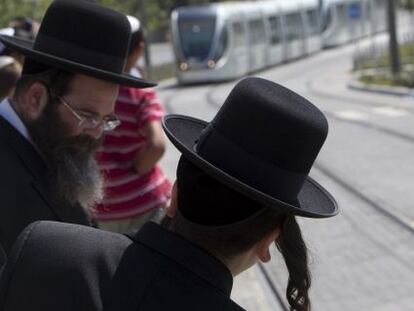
point(22, 23)
point(294, 251)
point(8, 78)
point(57, 80)
point(23, 28)
point(137, 38)
point(228, 241)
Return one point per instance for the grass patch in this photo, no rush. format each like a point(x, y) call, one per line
point(161, 72)
point(375, 70)
point(387, 80)
point(383, 60)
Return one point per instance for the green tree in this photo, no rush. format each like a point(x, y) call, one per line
point(158, 11)
point(29, 8)
point(407, 4)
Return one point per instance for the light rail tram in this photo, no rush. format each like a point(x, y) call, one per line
point(224, 41)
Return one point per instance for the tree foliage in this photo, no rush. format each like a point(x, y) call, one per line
point(13, 8)
point(158, 11)
point(407, 4)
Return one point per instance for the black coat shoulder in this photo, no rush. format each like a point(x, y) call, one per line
point(64, 262)
point(24, 188)
point(59, 266)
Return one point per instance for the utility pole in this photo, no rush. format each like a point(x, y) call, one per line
point(392, 29)
point(35, 9)
point(141, 11)
point(320, 3)
point(144, 10)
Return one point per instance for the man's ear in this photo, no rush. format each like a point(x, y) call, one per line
point(35, 99)
point(171, 209)
point(263, 246)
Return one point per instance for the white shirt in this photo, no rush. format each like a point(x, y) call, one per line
point(8, 113)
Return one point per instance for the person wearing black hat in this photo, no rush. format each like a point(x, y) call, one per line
point(9, 74)
point(63, 102)
point(28, 25)
point(16, 31)
point(241, 180)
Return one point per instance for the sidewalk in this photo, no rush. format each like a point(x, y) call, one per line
point(389, 90)
point(252, 293)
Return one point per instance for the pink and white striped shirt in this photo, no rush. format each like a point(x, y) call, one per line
point(128, 194)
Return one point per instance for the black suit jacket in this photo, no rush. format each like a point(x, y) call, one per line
point(3, 257)
point(57, 266)
point(24, 189)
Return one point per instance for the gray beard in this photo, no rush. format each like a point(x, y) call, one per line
point(73, 172)
point(77, 180)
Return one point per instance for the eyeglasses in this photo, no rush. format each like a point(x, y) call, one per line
point(89, 122)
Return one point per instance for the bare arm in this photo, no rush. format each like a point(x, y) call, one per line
point(147, 157)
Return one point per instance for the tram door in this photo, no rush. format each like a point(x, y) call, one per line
point(239, 48)
point(312, 30)
point(355, 19)
point(256, 44)
point(339, 32)
point(275, 50)
point(379, 14)
point(294, 35)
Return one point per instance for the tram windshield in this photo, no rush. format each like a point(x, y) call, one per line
point(326, 18)
point(196, 35)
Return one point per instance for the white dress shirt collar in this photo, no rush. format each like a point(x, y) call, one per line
point(8, 113)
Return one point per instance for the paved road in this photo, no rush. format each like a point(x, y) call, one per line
point(161, 53)
point(362, 259)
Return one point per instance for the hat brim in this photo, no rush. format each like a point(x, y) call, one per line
point(25, 47)
point(313, 200)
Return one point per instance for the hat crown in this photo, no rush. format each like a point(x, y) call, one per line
point(265, 135)
point(85, 33)
point(273, 123)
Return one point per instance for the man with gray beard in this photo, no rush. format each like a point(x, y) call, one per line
point(52, 125)
point(72, 168)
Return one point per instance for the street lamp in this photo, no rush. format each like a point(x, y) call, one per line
point(392, 29)
point(144, 10)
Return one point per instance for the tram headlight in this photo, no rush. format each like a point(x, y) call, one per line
point(211, 64)
point(183, 66)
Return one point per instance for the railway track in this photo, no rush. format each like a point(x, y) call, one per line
point(354, 100)
point(278, 293)
point(362, 123)
point(385, 211)
point(367, 125)
point(210, 98)
point(399, 220)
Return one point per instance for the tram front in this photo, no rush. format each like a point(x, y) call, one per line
point(200, 40)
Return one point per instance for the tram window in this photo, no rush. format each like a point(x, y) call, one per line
point(196, 36)
point(222, 45)
point(274, 22)
point(238, 33)
point(313, 20)
point(355, 11)
point(380, 4)
point(294, 26)
point(368, 11)
point(327, 19)
point(256, 33)
point(379, 9)
point(341, 14)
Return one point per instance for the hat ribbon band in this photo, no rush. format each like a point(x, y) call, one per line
point(78, 54)
point(247, 168)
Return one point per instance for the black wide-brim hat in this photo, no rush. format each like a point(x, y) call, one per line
point(81, 37)
point(262, 143)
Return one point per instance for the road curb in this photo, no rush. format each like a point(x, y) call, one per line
point(166, 83)
point(396, 91)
